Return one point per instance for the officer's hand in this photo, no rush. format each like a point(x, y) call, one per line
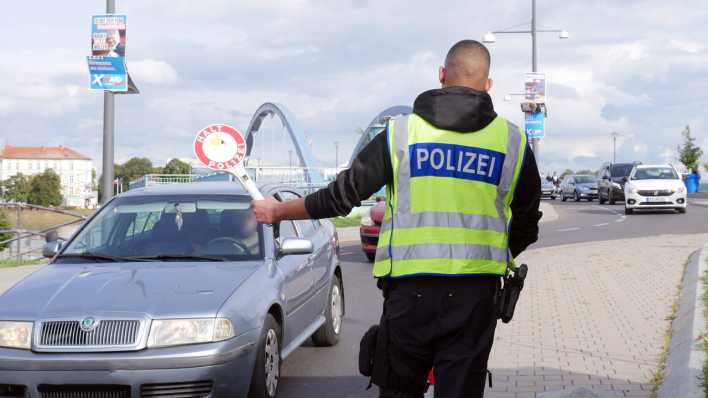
point(267, 211)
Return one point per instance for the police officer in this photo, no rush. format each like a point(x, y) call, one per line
point(463, 192)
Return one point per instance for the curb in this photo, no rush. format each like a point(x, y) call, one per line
point(684, 365)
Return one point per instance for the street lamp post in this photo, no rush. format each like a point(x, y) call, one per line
point(336, 156)
point(562, 34)
point(108, 132)
point(614, 146)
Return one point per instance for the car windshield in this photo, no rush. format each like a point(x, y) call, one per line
point(546, 184)
point(171, 228)
point(621, 170)
point(655, 173)
point(585, 180)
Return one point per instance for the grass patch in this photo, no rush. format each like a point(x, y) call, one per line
point(33, 219)
point(346, 221)
point(658, 376)
point(17, 263)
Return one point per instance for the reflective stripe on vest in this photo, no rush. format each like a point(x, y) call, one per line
point(438, 241)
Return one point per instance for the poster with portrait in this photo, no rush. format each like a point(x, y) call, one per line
point(107, 70)
point(535, 87)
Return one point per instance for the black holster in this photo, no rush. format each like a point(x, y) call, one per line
point(510, 292)
point(373, 351)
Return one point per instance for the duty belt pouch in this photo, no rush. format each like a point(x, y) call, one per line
point(367, 351)
point(513, 284)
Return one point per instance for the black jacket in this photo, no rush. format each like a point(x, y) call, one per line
point(453, 108)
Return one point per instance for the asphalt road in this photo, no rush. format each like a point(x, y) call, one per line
point(332, 372)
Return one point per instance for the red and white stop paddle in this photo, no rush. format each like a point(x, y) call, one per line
point(222, 147)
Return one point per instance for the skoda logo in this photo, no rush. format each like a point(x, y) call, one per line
point(88, 324)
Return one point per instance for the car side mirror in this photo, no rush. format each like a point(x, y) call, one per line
point(625, 179)
point(50, 249)
point(290, 246)
point(51, 236)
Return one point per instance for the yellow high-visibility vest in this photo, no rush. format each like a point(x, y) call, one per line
point(448, 209)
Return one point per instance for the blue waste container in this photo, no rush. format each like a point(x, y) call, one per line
point(692, 181)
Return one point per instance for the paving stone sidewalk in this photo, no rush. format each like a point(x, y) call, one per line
point(592, 315)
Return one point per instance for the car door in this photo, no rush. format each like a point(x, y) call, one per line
point(568, 187)
point(297, 286)
point(603, 183)
point(321, 260)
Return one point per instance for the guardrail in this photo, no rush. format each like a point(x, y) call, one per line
point(14, 245)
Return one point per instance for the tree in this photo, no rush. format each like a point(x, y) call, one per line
point(45, 189)
point(133, 169)
point(689, 152)
point(176, 166)
point(566, 173)
point(4, 224)
point(587, 172)
point(17, 188)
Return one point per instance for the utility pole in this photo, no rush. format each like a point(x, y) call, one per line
point(336, 156)
point(535, 142)
point(614, 146)
point(108, 132)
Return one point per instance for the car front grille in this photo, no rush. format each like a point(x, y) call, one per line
point(197, 389)
point(654, 203)
point(84, 391)
point(660, 192)
point(107, 333)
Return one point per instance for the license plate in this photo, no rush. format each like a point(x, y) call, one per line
point(650, 199)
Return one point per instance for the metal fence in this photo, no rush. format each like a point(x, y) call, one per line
point(26, 243)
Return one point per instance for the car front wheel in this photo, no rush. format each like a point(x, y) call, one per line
point(266, 374)
point(611, 198)
point(681, 210)
point(328, 334)
point(563, 198)
point(576, 196)
point(628, 211)
point(600, 198)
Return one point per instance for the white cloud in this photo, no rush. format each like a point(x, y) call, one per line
point(152, 71)
point(690, 47)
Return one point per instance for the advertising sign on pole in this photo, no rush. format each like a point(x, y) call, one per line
point(107, 61)
point(534, 125)
point(535, 87)
point(222, 147)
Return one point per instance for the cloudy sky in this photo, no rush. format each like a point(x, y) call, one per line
point(638, 67)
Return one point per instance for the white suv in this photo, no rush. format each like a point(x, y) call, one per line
point(654, 187)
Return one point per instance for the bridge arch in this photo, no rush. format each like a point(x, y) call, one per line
point(313, 174)
point(378, 125)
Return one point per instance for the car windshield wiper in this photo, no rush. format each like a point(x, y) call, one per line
point(178, 257)
point(98, 256)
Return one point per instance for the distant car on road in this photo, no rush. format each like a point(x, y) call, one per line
point(548, 189)
point(370, 229)
point(172, 291)
point(579, 187)
point(654, 187)
point(610, 186)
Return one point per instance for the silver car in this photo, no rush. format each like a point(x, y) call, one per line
point(172, 291)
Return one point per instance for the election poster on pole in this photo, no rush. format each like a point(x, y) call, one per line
point(106, 63)
point(223, 148)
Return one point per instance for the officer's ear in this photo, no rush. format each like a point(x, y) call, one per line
point(488, 85)
point(441, 75)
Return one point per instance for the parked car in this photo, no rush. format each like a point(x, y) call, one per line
point(172, 290)
point(610, 186)
point(579, 187)
point(548, 189)
point(655, 187)
point(370, 228)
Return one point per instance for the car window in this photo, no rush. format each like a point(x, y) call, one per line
point(287, 230)
point(221, 226)
point(306, 228)
point(621, 170)
point(585, 180)
point(655, 173)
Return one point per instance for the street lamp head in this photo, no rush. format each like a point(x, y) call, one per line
point(507, 98)
point(489, 38)
point(563, 34)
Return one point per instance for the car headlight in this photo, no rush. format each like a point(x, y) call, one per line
point(16, 334)
point(171, 332)
point(681, 189)
point(367, 222)
point(633, 190)
point(616, 185)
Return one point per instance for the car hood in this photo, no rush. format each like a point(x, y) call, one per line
point(651, 185)
point(154, 289)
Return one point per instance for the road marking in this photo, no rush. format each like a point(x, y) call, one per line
point(601, 225)
point(568, 229)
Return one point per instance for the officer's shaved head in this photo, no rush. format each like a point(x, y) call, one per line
point(467, 64)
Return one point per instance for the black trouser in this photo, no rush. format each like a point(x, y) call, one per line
point(442, 322)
